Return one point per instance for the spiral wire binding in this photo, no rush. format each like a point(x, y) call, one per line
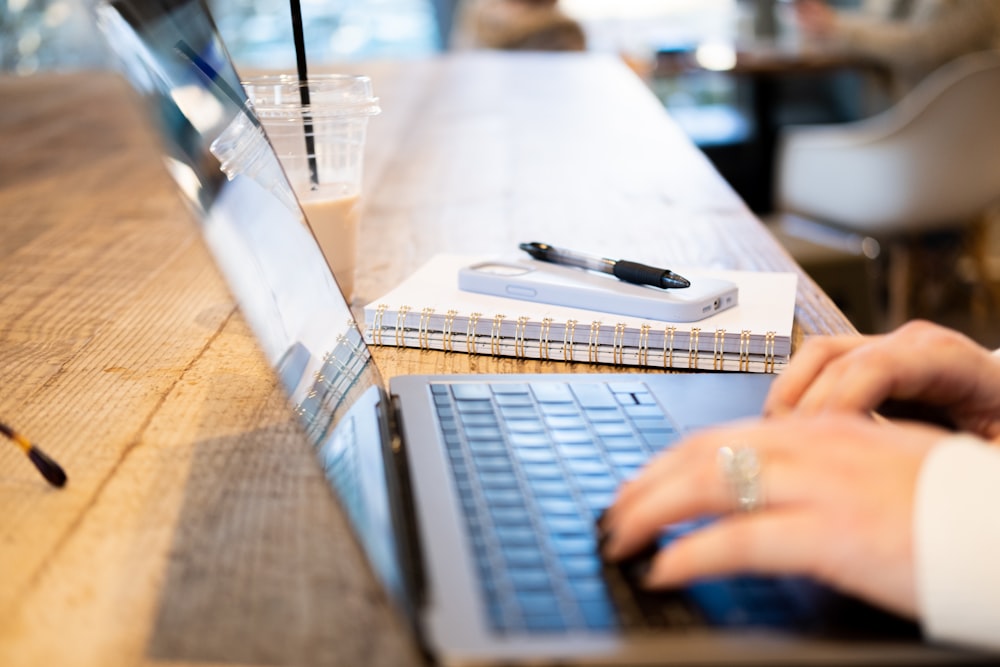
point(401, 325)
point(447, 330)
point(519, 330)
point(423, 334)
point(495, 337)
point(569, 334)
point(470, 333)
point(426, 337)
point(593, 341)
point(719, 350)
point(543, 338)
point(693, 347)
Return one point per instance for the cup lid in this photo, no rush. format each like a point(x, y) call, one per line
point(330, 95)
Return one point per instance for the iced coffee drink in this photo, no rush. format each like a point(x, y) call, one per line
point(334, 222)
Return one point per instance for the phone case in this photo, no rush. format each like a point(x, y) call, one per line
point(544, 282)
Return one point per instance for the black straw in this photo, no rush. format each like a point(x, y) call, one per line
point(300, 63)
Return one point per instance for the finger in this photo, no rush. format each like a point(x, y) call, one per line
point(891, 367)
point(919, 361)
point(785, 541)
point(806, 365)
point(694, 485)
point(679, 460)
point(663, 466)
point(856, 382)
point(677, 495)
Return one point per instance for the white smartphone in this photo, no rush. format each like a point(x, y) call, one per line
point(533, 280)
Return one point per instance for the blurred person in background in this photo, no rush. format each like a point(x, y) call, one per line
point(525, 25)
point(911, 37)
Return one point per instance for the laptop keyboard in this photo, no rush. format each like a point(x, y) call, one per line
point(535, 465)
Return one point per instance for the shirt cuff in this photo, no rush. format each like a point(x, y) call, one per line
point(957, 542)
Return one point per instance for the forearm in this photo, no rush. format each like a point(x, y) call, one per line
point(957, 542)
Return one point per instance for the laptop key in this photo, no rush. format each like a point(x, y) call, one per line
point(503, 388)
point(559, 409)
point(512, 400)
point(518, 412)
point(548, 489)
point(529, 440)
point(596, 483)
point(488, 448)
point(627, 388)
point(525, 426)
point(483, 433)
point(576, 450)
point(503, 497)
point(574, 421)
point(613, 429)
point(529, 579)
point(582, 466)
point(516, 536)
point(476, 419)
point(603, 414)
point(494, 464)
point(474, 406)
point(628, 458)
point(539, 604)
point(571, 435)
point(622, 443)
point(594, 395)
point(463, 392)
point(511, 515)
point(644, 411)
point(569, 526)
point(572, 545)
point(543, 471)
point(552, 392)
point(499, 481)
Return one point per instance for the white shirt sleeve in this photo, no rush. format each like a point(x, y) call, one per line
point(957, 542)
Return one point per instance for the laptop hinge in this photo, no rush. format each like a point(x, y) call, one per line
point(401, 495)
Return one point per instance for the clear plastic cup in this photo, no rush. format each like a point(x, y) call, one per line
point(321, 148)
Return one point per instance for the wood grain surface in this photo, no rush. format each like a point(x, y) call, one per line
point(196, 528)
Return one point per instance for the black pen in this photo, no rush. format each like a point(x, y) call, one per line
point(630, 272)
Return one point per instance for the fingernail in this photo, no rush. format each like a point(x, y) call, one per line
point(602, 542)
point(603, 532)
point(639, 569)
point(637, 566)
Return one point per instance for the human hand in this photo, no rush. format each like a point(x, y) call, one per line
point(919, 362)
point(837, 506)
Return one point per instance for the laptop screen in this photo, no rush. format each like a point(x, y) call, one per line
point(223, 165)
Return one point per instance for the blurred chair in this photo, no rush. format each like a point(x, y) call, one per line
point(929, 164)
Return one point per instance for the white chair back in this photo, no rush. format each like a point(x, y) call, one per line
point(930, 162)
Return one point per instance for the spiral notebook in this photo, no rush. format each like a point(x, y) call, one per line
point(429, 311)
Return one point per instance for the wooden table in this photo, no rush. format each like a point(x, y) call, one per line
point(196, 527)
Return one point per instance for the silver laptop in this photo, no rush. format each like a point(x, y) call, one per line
point(473, 497)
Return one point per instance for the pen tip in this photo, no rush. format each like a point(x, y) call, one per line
point(535, 249)
point(50, 470)
point(673, 281)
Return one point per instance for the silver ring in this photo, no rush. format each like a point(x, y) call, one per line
point(741, 467)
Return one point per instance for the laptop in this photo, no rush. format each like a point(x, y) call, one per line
point(473, 496)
